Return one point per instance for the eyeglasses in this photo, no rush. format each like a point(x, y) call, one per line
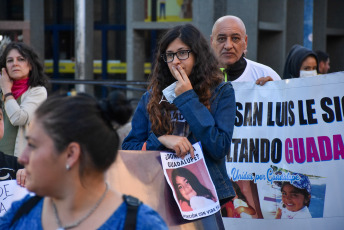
point(181, 55)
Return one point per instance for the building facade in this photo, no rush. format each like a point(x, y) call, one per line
point(120, 35)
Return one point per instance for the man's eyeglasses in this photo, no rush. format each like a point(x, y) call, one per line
point(181, 55)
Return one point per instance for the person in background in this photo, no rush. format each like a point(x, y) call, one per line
point(187, 102)
point(23, 88)
point(301, 62)
point(229, 42)
point(9, 166)
point(71, 144)
point(120, 107)
point(324, 62)
point(162, 9)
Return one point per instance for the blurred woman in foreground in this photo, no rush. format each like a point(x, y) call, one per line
point(71, 144)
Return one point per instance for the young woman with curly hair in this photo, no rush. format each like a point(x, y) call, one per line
point(200, 108)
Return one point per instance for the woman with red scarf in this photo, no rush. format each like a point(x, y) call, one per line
point(23, 88)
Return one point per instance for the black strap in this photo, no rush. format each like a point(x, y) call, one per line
point(130, 221)
point(132, 207)
point(26, 208)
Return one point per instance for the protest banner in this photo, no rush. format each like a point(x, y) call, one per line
point(288, 134)
point(192, 187)
point(288, 137)
point(10, 191)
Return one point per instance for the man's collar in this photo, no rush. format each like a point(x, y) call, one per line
point(234, 71)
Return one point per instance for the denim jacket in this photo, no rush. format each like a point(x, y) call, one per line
point(212, 128)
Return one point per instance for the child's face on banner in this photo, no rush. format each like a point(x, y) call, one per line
point(293, 200)
point(185, 188)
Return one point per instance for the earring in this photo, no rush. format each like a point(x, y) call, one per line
point(67, 167)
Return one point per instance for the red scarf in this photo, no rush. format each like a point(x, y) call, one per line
point(19, 87)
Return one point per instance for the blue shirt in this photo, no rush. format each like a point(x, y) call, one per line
point(147, 218)
point(213, 128)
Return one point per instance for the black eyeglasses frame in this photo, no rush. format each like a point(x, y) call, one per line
point(163, 56)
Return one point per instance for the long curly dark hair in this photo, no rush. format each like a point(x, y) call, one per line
point(36, 75)
point(204, 77)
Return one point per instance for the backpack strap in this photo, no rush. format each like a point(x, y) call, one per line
point(26, 208)
point(132, 207)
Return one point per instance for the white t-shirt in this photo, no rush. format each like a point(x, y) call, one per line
point(240, 203)
point(255, 70)
point(197, 202)
point(302, 213)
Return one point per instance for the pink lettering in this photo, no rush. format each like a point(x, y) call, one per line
point(338, 147)
point(325, 142)
point(288, 152)
point(311, 148)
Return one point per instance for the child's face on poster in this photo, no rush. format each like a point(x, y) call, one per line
point(292, 199)
point(185, 188)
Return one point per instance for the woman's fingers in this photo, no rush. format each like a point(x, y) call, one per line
point(180, 74)
point(185, 147)
point(183, 83)
point(5, 81)
point(191, 151)
point(4, 74)
point(176, 73)
point(183, 75)
point(21, 176)
point(181, 145)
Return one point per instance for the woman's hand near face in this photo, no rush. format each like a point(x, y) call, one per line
point(181, 145)
point(21, 177)
point(183, 83)
point(5, 82)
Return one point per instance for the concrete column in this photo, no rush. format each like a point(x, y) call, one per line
point(294, 33)
point(219, 9)
point(247, 10)
point(84, 43)
point(135, 44)
point(203, 16)
point(320, 25)
point(34, 14)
